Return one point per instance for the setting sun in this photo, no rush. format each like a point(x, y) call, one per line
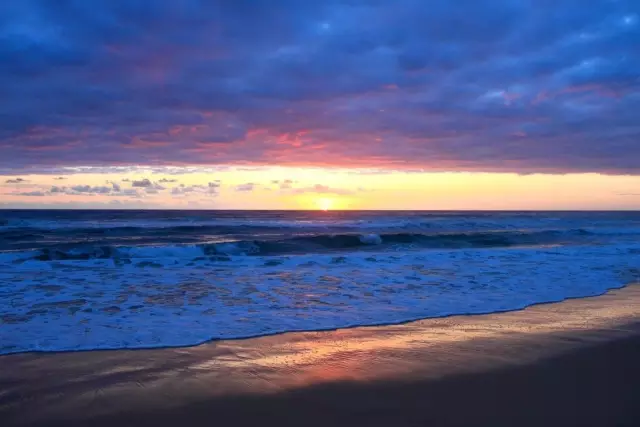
point(324, 204)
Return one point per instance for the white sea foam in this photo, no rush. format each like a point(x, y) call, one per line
point(185, 252)
point(371, 239)
point(235, 248)
point(91, 304)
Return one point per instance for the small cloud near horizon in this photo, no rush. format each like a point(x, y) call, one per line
point(16, 181)
point(249, 186)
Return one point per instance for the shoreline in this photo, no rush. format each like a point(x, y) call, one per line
point(400, 361)
point(294, 331)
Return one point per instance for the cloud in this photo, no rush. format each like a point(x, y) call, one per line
point(85, 190)
point(286, 184)
point(473, 85)
point(16, 181)
point(32, 193)
point(113, 189)
point(210, 189)
point(90, 189)
point(143, 183)
point(167, 181)
point(131, 192)
point(149, 186)
point(249, 186)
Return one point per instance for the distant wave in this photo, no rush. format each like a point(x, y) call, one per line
point(176, 225)
point(323, 242)
point(318, 243)
point(337, 234)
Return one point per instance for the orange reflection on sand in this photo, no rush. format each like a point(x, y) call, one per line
point(431, 347)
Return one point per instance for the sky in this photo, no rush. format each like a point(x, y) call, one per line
point(332, 104)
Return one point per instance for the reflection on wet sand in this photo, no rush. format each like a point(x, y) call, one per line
point(433, 347)
point(105, 381)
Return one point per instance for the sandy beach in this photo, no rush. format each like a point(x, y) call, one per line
point(570, 363)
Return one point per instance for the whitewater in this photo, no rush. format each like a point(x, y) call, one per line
point(84, 280)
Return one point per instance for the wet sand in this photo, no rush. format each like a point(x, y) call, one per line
point(571, 363)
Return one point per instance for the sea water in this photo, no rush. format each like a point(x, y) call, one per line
point(82, 280)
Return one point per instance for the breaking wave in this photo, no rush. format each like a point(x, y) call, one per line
point(318, 243)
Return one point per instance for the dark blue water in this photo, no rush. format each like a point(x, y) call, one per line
point(275, 232)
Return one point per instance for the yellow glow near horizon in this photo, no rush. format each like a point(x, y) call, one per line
point(326, 189)
point(324, 204)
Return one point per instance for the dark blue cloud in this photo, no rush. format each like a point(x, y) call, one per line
point(90, 189)
point(142, 183)
point(81, 190)
point(210, 189)
point(32, 193)
point(492, 85)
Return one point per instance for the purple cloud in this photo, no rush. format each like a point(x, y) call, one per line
point(16, 181)
point(143, 183)
point(83, 190)
point(211, 189)
point(149, 186)
point(286, 184)
point(90, 189)
point(32, 193)
point(477, 85)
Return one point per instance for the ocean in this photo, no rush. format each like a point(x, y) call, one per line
point(83, 280)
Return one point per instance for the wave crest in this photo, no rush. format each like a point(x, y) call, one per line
point(317, 243)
